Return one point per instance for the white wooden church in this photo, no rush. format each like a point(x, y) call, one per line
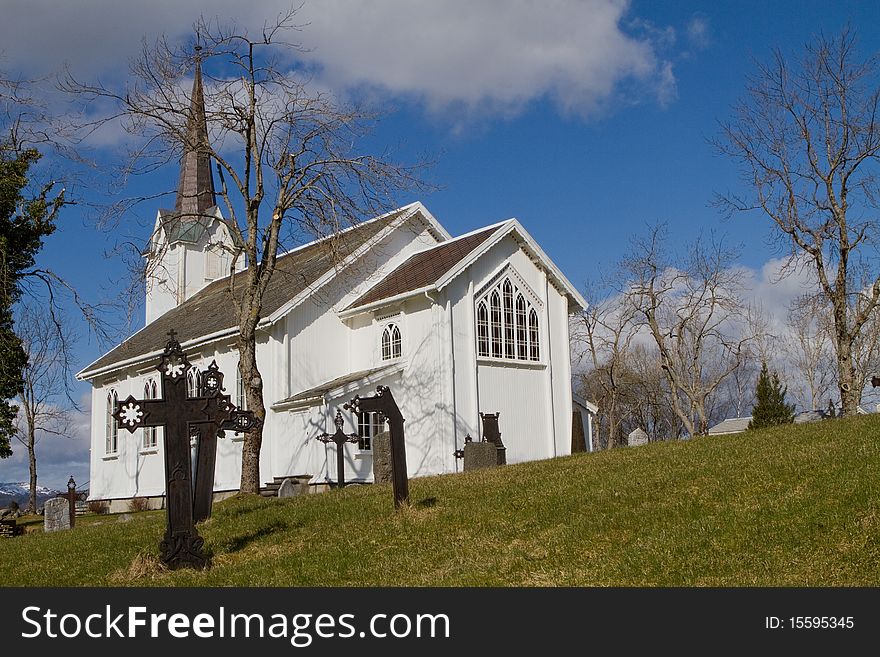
point(455, 326)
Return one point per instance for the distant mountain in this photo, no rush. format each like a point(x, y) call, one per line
point(20, 492)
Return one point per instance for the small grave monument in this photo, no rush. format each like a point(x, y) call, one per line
point(340, 438)
point(56, 515)
point(211, 412)
point(72, 498)
point(383, 403)
point(637, 437)
point(381, 447)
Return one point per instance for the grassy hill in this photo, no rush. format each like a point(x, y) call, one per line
point(790, 506)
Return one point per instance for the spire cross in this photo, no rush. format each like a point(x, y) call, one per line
point(340, 438)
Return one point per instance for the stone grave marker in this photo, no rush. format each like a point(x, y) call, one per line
point(56, 515)
point(383, 402)
point(289, 488)
point(381, 445)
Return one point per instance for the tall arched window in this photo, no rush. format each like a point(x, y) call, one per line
point(193, 382)
point(522, 336)
point(507, 322)
point(509, 329)
point(391, 342)
point(151, 391)
point(482, 329)
point(495, 324)
point(534, 337)
point(111, 434)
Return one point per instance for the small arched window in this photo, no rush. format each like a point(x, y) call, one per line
point(507, 322)
point(391, 342)
point(193, 382)
point(151, 391)
point(111, 434)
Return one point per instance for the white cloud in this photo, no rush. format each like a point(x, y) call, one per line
point(481, 55)
point(57, 457)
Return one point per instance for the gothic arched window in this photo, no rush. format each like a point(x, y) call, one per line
point(111, 433)
point(534, 337)
point(391, 342)
point(151, 391)
point(193, 382)
point(507, 322)
point(482, 330)
point(495, 324)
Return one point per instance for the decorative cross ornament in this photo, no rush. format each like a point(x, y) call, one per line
point(72, 498)
point(384, 404)
point(340, 438)
point(211, 413)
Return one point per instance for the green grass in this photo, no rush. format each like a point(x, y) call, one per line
point(789, 506)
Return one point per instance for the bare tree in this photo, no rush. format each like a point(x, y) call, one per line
point(807, 137)
point(288, 156)
point(45, 401)
point(808, 348)
point(693, 311)
point(607, 329)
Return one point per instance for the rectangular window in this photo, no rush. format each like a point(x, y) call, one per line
point(368, 427)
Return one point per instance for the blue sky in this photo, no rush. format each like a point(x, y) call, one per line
point(585, 120)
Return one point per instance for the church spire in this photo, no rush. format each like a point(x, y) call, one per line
point(195, 187)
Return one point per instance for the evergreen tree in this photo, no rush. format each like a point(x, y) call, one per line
point(770, 408)
point(25, 219)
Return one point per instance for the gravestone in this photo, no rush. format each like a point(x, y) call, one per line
point(339, 438)
point(480, 455)
point(492, 435)
point(381, 445)
point(637, 437)
point(211, 413)
point(578, 435)
point(290, 488)
point(383, 402)
point(56, 515)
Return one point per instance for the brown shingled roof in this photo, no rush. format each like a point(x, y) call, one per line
point(424, 268)
point(211, 310)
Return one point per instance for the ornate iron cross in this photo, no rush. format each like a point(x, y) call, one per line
point(383, 403)
point(211, 413)
point(72, 498)
point(340, 438)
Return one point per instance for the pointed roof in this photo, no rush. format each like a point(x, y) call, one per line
point(195, 187)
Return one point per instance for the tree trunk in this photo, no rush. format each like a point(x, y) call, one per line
point(32, 462)
point(253, 387)
point(850, 394)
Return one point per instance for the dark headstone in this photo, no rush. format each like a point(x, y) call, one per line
point(578, 437)
point(381, 445)
point(480, 455)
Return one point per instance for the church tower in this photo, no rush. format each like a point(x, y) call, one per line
point(191, 245)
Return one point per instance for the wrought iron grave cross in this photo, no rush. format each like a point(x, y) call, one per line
point(383, 403)
point(340, 438)
point(72, 498)
point(178, 413)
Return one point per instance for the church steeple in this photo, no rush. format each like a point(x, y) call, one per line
point(195, 187)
